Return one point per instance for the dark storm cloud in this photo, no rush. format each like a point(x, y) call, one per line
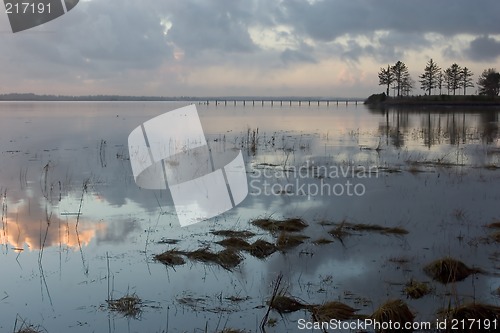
point(327, 20)
point(211, 25)
point(483, 48)
point(98, 38)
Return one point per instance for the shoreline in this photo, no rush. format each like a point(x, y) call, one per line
point(381, 100)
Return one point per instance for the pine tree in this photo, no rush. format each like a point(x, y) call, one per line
point(385, 77)
point(453, 77)
point(440, 80)
point(429, 78)
point(466, 81)
point(400, 72)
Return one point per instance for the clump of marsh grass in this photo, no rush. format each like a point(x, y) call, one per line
point(339, 232)
point(228, 258)
point(415, 289)
point(334, 310)
point(235, 243)
point(495, 237)
point(171, 258)
point(448, 270)
point(287, 241)
point(202, 255)
point(475, 315)
point(379, 229)
point(286, 304)
point(344, 228)
point(288, 225)
point(322, 241)
point(233, 233)
point(128, 305)
point(395, 311)
point(261, 249)
point(375, 228)
point(494, 225)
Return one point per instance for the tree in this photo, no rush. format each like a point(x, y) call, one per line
point(489, 82)
point(440, 79)
point(466, 81)
point(429, 78)
point(407, 85)
point(400, 72)
point(385, 77)
point(453, 77)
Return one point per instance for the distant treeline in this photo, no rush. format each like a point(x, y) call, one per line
point(95, 98)
point(435, 81)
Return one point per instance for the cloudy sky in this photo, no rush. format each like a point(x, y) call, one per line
point(244, 47)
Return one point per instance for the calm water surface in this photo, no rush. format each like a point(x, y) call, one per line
point(76, 230)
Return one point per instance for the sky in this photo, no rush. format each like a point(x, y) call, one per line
point(244, 47)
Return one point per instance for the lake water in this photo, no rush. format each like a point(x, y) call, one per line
point(76, 230)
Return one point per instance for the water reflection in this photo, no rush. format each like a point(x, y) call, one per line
point(436, 126)
point(29, 224)
point(86, 143)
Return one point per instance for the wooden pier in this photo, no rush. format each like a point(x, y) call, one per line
point(280, 102)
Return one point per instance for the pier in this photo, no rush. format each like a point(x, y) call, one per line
point(280, 101)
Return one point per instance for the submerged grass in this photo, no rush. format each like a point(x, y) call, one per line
point(395, 311)
point(334, 310)
point(447, 270)
point(377, 228)
point(288, 225)
point(286, 304)
point(344, 229)
point(233, 233)
point(322, 241)
point(128, 305)
point(415, 289)
point(26, 327)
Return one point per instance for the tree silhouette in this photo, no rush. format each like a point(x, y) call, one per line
point(489, 82)
point(429, 79)
point(407, 85)
point(453, 77)
point(401, 75)
point(466, 81)
point(386, 77)
point(440, 80)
